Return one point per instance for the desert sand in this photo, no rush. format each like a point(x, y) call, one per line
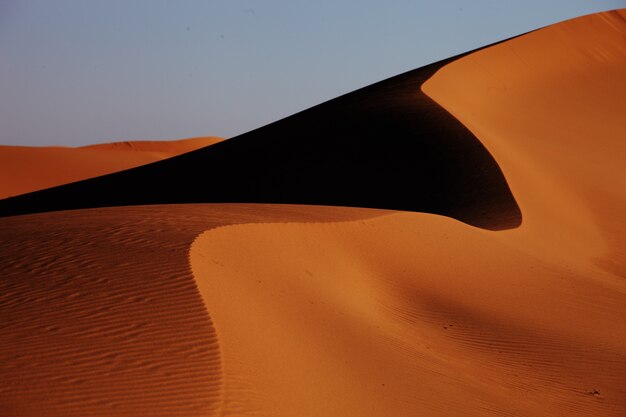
point(25, 169)
point(101, 315)
point(407, 314)
point(303, 310)
point(550, 107)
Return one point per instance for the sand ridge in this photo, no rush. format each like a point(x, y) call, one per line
point(101, 314)
point(442, 310)
point(549, 106)
point(455, 321)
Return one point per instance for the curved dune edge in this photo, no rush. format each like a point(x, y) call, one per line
point(25, 169)
point(550, 107)
point(101, 315)
point(406, 314)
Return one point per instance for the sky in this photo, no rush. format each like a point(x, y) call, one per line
point(77, 72)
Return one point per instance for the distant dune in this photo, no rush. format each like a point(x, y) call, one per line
point(25, 169)
point(494, 301)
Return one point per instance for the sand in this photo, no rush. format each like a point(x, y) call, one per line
point(550, 107)
point(185, 310)
point(101, 315)
point(407, 314)
point(24, 169)
point(301, 310)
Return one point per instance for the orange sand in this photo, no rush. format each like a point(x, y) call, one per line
point(407, 314)
point(101, 315)
point(550, 107)
point(24, 169)
point(268, 310)
point(364, 312)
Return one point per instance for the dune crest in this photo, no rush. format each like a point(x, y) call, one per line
point(406, 314)
point(550, 107)
point(368, 312)
point(101, 315)
point(25, 169)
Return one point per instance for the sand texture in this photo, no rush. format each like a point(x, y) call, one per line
point(502, 292)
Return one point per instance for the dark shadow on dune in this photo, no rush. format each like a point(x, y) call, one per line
point(383, 146)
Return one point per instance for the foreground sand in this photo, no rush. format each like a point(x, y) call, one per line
point(364, 313)
point(24, 169)
point(408, 314)
point(101, 315)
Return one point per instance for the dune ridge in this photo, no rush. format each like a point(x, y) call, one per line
point(101, 315)
point(450, 334)
point(474, 327)
point(549, 106)
point(24, 169)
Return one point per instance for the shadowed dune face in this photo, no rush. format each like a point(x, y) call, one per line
point(26, 169)
point(384, 146)
point(551, 108)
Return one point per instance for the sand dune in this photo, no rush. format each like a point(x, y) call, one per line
point(367, 312)
point(550, 107)
point(407, 314)
point(25, 169)
point(295, 310)
point(101, 315)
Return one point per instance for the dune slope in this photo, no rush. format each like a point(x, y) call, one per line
point(25, 169)
point(365, 312)
point(101, 315)
point(407, 314)
point(550, 106)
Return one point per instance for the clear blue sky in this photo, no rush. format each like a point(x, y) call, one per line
point(74, 72)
